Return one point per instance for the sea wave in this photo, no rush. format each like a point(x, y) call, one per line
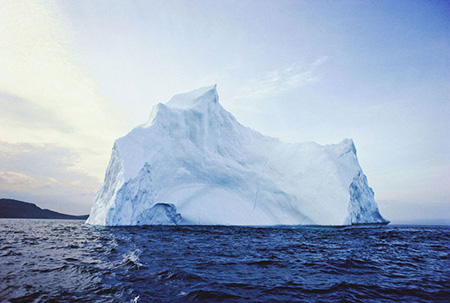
point(67, 261)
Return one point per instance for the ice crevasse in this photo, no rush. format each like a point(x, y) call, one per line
point(194, 163)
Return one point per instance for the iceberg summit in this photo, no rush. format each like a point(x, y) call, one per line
point(194, 163)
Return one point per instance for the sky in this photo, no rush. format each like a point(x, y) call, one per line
point(76, 75)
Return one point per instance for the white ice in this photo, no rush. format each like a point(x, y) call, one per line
point(193, 163)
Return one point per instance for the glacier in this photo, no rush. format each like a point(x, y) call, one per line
point(194, 163)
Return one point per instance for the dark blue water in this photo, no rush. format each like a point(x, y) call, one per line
point(67, 261)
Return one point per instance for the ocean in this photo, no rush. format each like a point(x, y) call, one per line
point(68, 261)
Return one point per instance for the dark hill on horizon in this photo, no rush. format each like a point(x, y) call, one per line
point(14, 209)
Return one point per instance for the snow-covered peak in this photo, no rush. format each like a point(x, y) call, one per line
point(191, 99)
point(199, 99)
point(350, 145)
point(344, 147)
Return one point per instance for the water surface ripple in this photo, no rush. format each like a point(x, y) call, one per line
point(67, 261)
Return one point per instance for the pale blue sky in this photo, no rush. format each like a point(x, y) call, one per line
point(75, 75)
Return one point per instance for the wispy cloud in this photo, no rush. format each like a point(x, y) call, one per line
point(277, 81)
point(47, 97)
point(23, 113)
point(47, 175)
point(56, 129)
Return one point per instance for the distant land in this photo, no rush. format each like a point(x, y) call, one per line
point(11, 209)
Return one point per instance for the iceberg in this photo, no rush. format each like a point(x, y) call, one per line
point(194, 163)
